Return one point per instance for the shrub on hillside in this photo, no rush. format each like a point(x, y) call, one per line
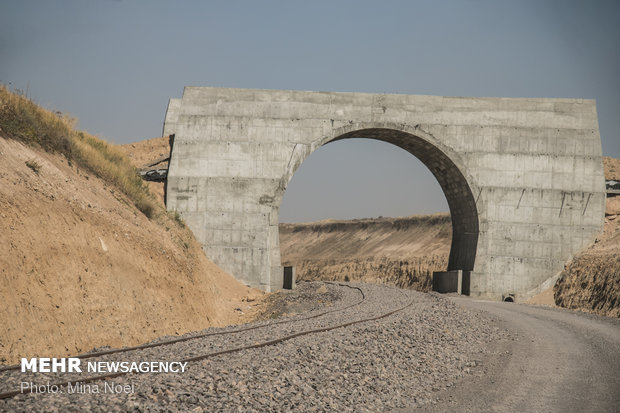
point(23, 120)
point(34, 165)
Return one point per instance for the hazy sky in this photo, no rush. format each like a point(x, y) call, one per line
point(115, 64)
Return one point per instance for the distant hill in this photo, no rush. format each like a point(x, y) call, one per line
point(397, 251)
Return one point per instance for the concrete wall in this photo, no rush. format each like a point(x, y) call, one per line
point(523, 177)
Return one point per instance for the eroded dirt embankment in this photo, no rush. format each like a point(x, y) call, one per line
point(591, 281)
point(146, 152)
point(397, 251)
point(81, 267)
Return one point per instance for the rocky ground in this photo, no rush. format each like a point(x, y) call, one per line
point(591, 281)
point(612, 168)
point(399, 361)
point(557, 360)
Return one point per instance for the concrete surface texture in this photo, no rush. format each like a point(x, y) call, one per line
point(523, 177)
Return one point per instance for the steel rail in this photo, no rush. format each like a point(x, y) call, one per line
point(216, 333)
point(90, 379)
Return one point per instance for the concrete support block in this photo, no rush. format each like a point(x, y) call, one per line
point(289, 278)
point(456, 281)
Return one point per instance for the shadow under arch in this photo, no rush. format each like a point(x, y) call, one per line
point(443, 164)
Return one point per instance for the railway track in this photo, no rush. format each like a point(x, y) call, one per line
point(297, 327)
point(204, 335)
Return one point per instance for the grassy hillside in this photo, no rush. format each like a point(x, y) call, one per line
point(89, 258)
point(23, 120)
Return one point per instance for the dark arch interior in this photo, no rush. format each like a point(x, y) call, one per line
point(460, 199)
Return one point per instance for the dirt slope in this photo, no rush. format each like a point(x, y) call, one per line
point(144, 152)
point(362, 238)
point(612, 168)
point(591, 281)
point(397, 251)
point(81, 267)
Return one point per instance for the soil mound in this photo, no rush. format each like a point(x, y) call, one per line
point(397, 251)
point(591, 281)
point(144, 153)
point(612, 168)
point(82, 267)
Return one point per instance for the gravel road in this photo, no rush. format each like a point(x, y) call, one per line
point(557, 361)
point(439, 353)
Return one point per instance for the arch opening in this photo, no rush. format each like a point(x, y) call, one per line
point(359, 178)
point(457, 190)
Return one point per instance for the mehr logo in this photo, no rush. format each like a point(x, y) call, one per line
point(51, 365)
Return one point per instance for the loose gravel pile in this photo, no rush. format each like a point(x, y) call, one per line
point(398, 361)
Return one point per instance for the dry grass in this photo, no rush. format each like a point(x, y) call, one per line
point(612, 168)
point(177, 218)
point(34, 165)
point(413, 273)
point(591, 283)
point(111, 165)
point(23, 120)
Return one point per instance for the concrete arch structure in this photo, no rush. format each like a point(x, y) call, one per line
point(523, 177)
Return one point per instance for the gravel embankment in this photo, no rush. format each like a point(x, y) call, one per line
point(394, 362)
